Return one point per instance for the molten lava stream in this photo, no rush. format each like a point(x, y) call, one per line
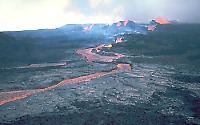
point(96, 57)
point(6, 97)
point(16, 95)
point(126, 22)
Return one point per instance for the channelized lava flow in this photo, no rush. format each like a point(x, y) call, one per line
point(96, 57)
point(15, 95)
point(6, 97)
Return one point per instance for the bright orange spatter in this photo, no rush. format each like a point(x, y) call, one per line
point(162, 20)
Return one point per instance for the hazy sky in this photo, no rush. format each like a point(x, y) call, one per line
point(34, 14)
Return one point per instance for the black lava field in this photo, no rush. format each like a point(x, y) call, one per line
point(101, 74)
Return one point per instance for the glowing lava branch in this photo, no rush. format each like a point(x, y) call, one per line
point(95, 57)
point(100, 46)
point(85, 28)
point(151, 27)
point(162, 20)
point(124, 67)
point(15, 95)
point(6, 97)
point(118, 40)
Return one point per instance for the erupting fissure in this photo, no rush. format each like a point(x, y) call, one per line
point(6, 97)
point(126, 22)
point(159, 20)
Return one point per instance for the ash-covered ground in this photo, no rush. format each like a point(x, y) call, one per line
point(163, 86)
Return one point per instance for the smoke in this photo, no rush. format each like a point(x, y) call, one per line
point(141, 10)
point(30, 14)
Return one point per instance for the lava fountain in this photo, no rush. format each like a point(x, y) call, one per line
point(151, 27)
point(126, 22)
point(162, 20)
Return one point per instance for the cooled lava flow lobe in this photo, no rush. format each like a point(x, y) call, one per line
point(124, 67)
point(46, 65)
point(6, 97)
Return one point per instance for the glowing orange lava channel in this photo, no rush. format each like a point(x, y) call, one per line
point(95, 57)
point(6, 97)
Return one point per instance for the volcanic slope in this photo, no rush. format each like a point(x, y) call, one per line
point(107, 90)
